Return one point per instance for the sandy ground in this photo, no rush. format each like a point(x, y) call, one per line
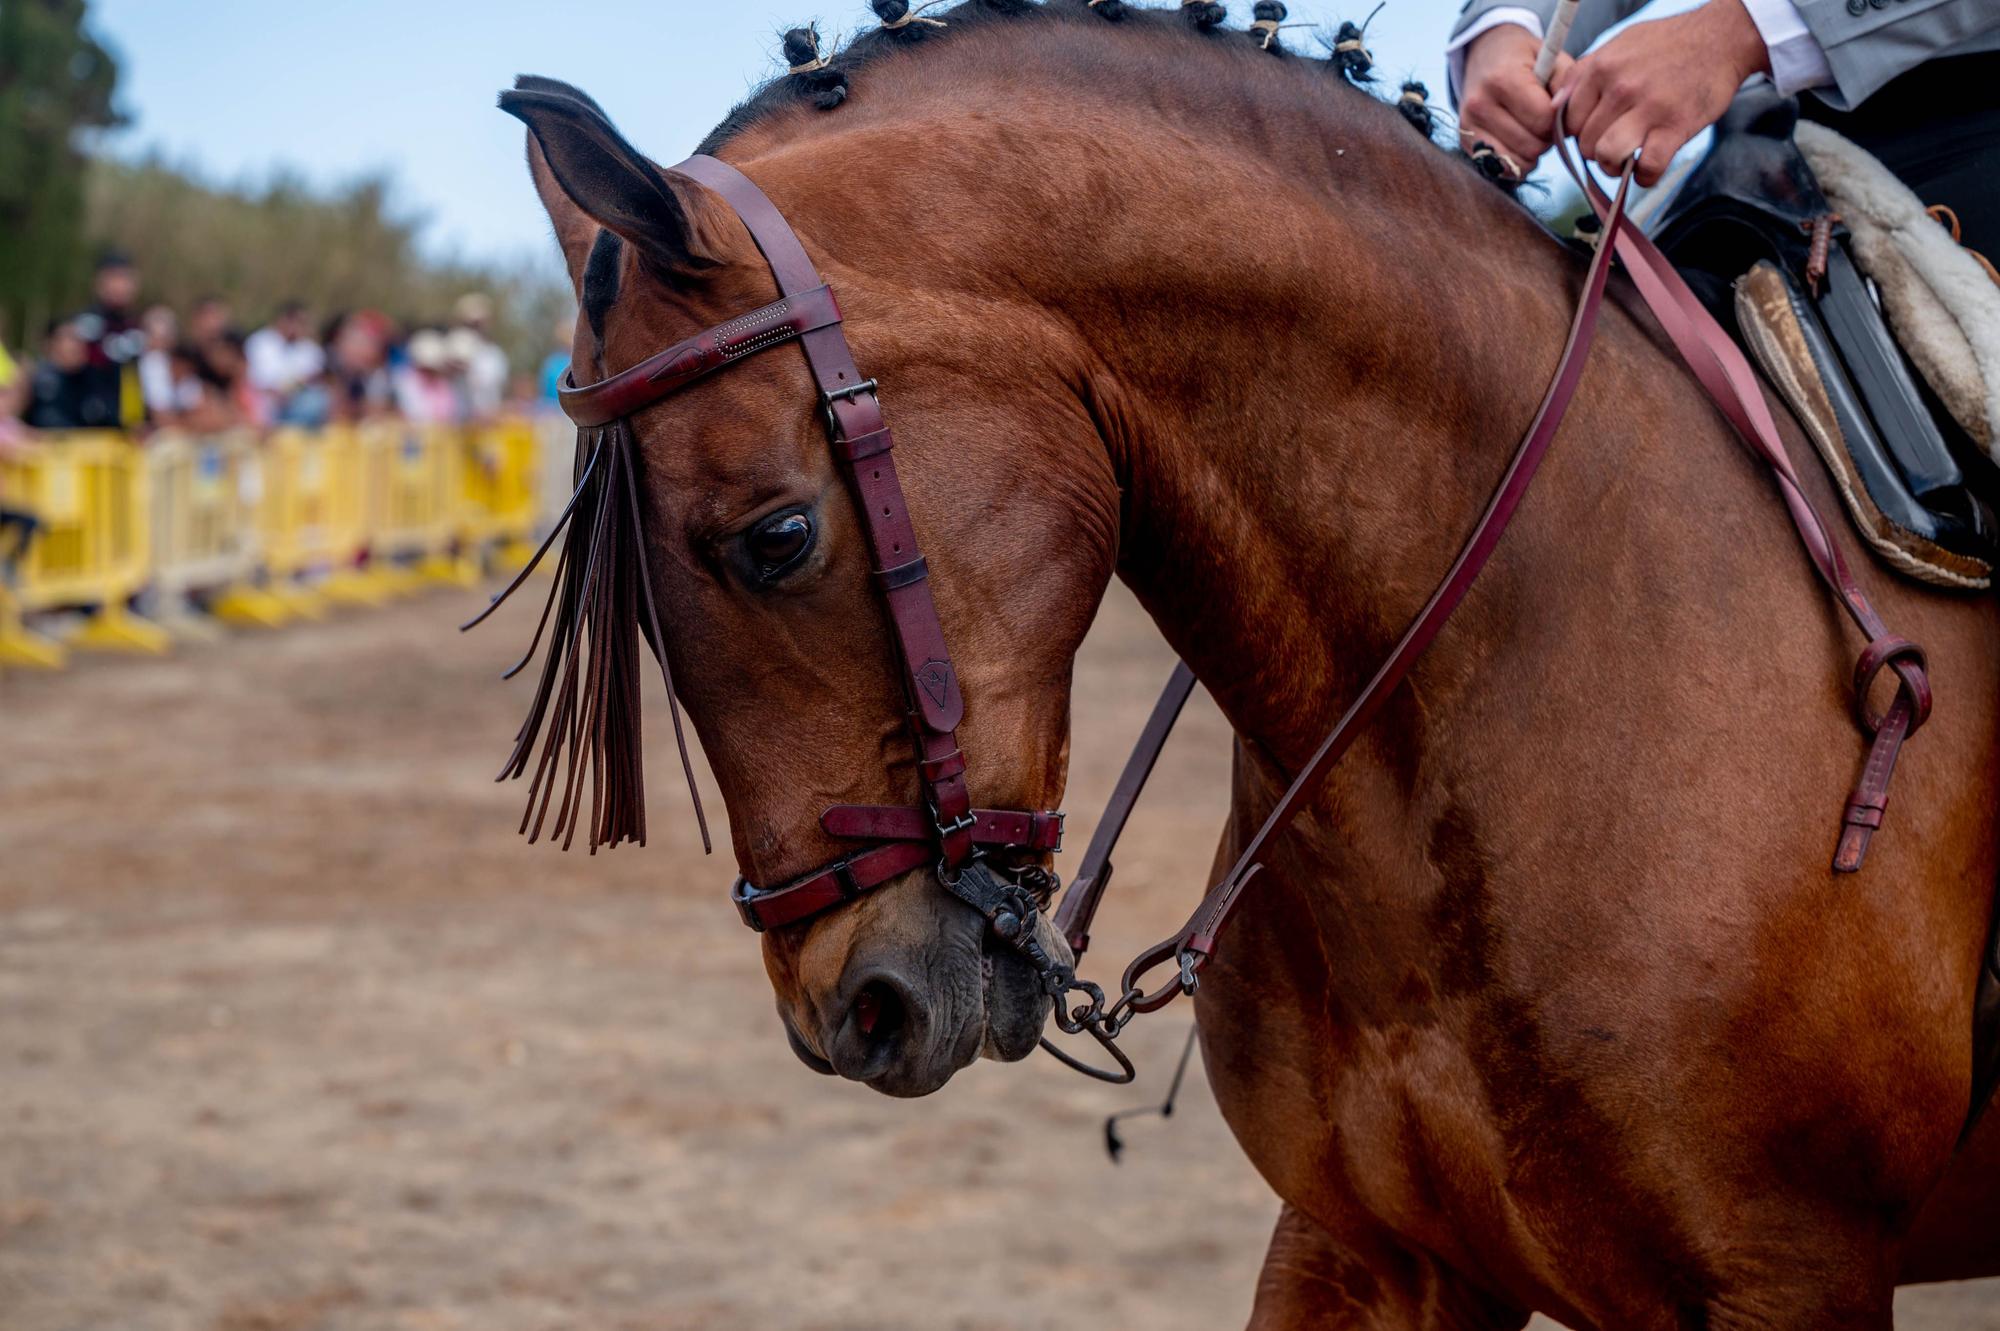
point(296, 1035)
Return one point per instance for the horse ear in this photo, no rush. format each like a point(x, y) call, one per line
point(588, 176)
point(576, 230)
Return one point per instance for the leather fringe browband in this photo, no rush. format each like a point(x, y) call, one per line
point(588, 693)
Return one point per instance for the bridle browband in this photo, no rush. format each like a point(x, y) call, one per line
point(945, 831)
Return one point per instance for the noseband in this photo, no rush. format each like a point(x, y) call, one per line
point(944, 830)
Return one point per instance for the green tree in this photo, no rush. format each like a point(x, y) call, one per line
point(348, 247)
point(56, 84)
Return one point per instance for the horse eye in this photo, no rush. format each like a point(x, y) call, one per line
point(777, 543)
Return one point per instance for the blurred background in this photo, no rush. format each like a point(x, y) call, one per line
point(295, 1032)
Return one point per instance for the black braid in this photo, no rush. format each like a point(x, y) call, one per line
point(1269, 11)
point(1111, 9)
point(898, 11)
point(1354, 63)
point(1487, 160)
point(826, 87)
point(1416, 108)
point(1204, 14)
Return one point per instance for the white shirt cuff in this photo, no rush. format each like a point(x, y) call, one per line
point(1454, 54)
point(1798, 61)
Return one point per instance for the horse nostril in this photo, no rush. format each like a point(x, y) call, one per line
point(881, 1026)
point(879, 1011)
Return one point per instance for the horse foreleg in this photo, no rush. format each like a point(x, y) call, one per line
point(1315, 1279)
point(1957, 1233)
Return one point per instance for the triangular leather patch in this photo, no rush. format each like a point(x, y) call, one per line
point(935, 680)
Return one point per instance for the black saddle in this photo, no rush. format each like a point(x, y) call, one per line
point(1753, 199)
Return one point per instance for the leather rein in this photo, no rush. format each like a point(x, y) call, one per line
point(945, 831)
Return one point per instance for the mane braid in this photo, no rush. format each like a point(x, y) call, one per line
point(824, 80)
point(586, 708)
point(1204, 14)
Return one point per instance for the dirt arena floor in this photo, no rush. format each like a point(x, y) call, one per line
point(296, 1035)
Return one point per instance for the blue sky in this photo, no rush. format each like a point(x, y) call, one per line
point(237, 88)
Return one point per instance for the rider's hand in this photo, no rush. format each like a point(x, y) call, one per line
point(1501, 102)
point(1658, 84)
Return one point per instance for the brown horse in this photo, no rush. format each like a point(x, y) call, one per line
point(1551, 1000)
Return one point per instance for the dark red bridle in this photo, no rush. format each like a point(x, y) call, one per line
point(944, 830)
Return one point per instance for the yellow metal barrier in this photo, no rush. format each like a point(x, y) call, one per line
point(412, 495)
point(500, 475)
point(258, 532)
point(22, 647)
point(312, 520)
point(205, 497)
point(90, 492)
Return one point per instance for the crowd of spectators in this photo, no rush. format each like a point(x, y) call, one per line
point(119, 365)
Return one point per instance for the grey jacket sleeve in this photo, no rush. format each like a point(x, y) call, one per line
point(1869, 42)
point(1592, 16)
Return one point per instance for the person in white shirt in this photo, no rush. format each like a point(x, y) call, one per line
point(283, 356)
point(483, 364)
point(156, 369)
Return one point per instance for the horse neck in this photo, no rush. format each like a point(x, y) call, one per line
point(1308, 338)
point(1307, 419)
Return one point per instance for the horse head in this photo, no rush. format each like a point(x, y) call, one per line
point(721, 516)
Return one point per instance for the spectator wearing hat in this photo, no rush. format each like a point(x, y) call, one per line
point(484, 363)
point(424, 392)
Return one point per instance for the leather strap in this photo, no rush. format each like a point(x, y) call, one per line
point(1713, 357)
point(828, 886)
point(1093, 873)
point(1195, 943)
point(669, 371)
point(1716, 361)
point(1040, 832)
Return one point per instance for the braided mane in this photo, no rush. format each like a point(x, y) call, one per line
point(822, 79)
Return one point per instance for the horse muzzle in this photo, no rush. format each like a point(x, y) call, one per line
point(904, 1018)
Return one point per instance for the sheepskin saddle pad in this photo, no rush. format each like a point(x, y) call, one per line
point(1801, 241)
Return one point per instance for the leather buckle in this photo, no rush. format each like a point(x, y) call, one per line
point(1037, 822)
point(965, 822)
point(827, 401)
point(743, 896)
